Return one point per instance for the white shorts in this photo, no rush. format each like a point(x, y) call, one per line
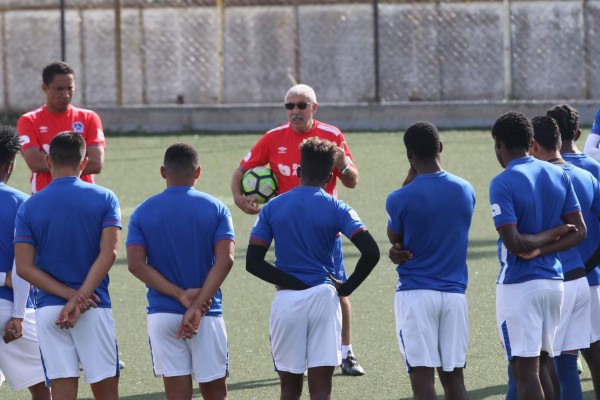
point(573, 332)
point(20, 359)
point(594, 312)
point(432, 328)
point(204, 357)
point(306, 329)
point(91, 342)
point(527, 315)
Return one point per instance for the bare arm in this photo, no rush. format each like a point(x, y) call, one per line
point(26, 269)
point(95, 155)
point(136, 260)
point(553, 240)
point(591, 146)
point(109, 244)
point(224, 256)
point(412, 174)
point(397, 254)
point(245, 203)
point(350, 178)
point(35, 159)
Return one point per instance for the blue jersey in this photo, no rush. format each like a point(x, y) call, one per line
point(533, 195)
point(65, 222)
point(179, 229)
point(587, 247)
point(433, 214)
point(587, 190)
point(10, 200)
point(304, 223)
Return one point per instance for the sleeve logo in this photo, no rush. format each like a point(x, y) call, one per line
point(25, 140)
point(496, 210)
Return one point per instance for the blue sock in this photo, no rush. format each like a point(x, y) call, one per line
point(511, 391)
point(570, 385)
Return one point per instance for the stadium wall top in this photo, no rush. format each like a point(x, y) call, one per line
point(196, 61)
point(348, 117)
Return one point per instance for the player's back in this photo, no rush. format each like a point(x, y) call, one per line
point(179, 229)
point(587, 190)
point(433, 214)
point(305, 223)
point(65, 222)
point(10, 200)
point(534, 195)
point(588, 246)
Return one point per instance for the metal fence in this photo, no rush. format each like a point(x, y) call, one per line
point(210, 52)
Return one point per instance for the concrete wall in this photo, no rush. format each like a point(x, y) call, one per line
point(415, 52)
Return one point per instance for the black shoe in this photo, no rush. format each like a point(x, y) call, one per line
point(350, 366)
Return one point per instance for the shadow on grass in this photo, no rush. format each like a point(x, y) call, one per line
point(231, 388)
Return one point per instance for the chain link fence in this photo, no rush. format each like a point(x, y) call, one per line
point(249, 52)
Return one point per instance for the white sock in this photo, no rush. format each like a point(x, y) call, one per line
point(345, 350)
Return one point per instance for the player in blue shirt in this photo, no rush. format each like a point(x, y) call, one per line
point(429, 220)
point(573, 332)
point(19, 351)
point(593, 140)
point(180, 244)
point(66, 241)
point(305, 320)
point(537, 215)
point(567, 119)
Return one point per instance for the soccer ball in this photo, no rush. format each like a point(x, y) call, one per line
point(260, 181)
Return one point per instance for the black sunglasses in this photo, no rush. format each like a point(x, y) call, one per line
point(301, 106)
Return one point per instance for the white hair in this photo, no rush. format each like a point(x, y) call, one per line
point(300, 90)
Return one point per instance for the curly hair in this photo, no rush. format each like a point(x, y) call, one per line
point(567, 119)
point(514, 130)
point(10, 144)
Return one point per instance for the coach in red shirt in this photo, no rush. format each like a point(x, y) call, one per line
point(37, 128)
point(279, 148)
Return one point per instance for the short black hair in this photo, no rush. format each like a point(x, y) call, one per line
point(55, 68)
point(567, 119)
point(546, 132)
point(423, 140)
point(181, 159)
point(67, 149)
point(317, 158)
point(10, 144)
point(514, 130)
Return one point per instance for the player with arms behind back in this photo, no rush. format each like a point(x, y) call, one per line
point(567, 119)
point(37, 128)
point(66, 241)
point(305, 315)
point(573, 333)
point(537, 215)
point(180, 244)
point(19, 351)
point(279, 148)
point(428, 225)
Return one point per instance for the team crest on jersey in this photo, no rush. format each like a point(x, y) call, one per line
point(496, 210)
point(78, 127)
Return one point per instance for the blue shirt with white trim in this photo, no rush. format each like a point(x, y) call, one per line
point(179, 229)
point(433, 214)
point(10, 200)
point(65, 222)
point(304, 223)
point(587, 190)
point(533, 195)
point(588, 246)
